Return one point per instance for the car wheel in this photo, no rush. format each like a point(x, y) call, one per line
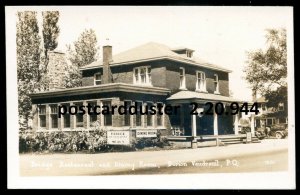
point(278, 135)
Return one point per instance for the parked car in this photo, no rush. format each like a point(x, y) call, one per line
point(279, 131)
point(260, 133)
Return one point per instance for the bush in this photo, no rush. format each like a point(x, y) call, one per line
point(75, 141)
point(62, 141)
point(158, 141)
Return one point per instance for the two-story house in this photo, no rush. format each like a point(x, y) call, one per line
point(269, 116)
point(149, 74)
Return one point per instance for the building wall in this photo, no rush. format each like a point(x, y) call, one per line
point(164, 74)
point(124, 74)
point(173, 78)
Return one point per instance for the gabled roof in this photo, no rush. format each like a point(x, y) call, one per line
point(153, 51)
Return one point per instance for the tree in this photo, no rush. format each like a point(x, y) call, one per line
point(266, 70)
point(31, 64)
point(83, 52)
point(28, 61)
point(50, 35)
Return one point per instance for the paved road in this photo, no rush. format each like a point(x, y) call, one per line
point(270, 155)
point(271, 161)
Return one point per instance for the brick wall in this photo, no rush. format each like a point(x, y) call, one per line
point(173, 78)
point(165, 74)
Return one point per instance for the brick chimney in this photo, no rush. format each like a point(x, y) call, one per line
point(107, 59)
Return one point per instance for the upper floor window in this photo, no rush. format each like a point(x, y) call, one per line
point(281, 107)
point(97, 79)
point(142, 75)
point(201, 81)
point(182, 78)
point(216, 84)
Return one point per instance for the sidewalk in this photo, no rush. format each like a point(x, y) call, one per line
point(109, 163)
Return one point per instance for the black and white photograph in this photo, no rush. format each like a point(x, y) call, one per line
point(150, 97)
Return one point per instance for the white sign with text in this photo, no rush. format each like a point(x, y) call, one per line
point(118, 137)
point(146, 133)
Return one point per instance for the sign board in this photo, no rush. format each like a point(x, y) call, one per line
point(248, 137)
point(118, 138)
point(146, 133)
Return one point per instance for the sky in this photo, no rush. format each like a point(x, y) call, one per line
point(220, 35)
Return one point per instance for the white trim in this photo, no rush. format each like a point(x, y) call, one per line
point(50, 113)
point(217, 91)
point(203, 86)
point(205, 65)
point(182, 85)
point(148, 81)
point(97, 73)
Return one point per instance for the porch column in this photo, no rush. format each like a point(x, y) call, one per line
point(252, 125)
point(236, 124)
point(194, 133)
point(216, 130)
point(86, 116)
point(194, 126)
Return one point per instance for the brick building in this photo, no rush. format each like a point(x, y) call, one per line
point(149, 74)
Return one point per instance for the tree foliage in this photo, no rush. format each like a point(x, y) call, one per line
point(50, 32)
point(84, 51)
point(28, 61)
point(266, 69)
point(50, 35)
point(31, 64)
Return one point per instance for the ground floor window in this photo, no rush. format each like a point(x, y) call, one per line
point(108, 116)
point(53, 116)
point(149, 115)
point(282, 120)
point(42, 116)
point(269, 121)
point(127, 104)
point(159, 117)
point(138, 121)
point(79, 115)
point(66, 117)
point(92, 115)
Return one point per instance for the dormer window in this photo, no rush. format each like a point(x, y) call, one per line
point(183, 51)
point(97, 79)
point(216, 84)
point(182, 78)
point(201, 81)
point(142, 75)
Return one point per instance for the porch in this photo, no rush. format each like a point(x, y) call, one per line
point(211, 140)
point(220, 128)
